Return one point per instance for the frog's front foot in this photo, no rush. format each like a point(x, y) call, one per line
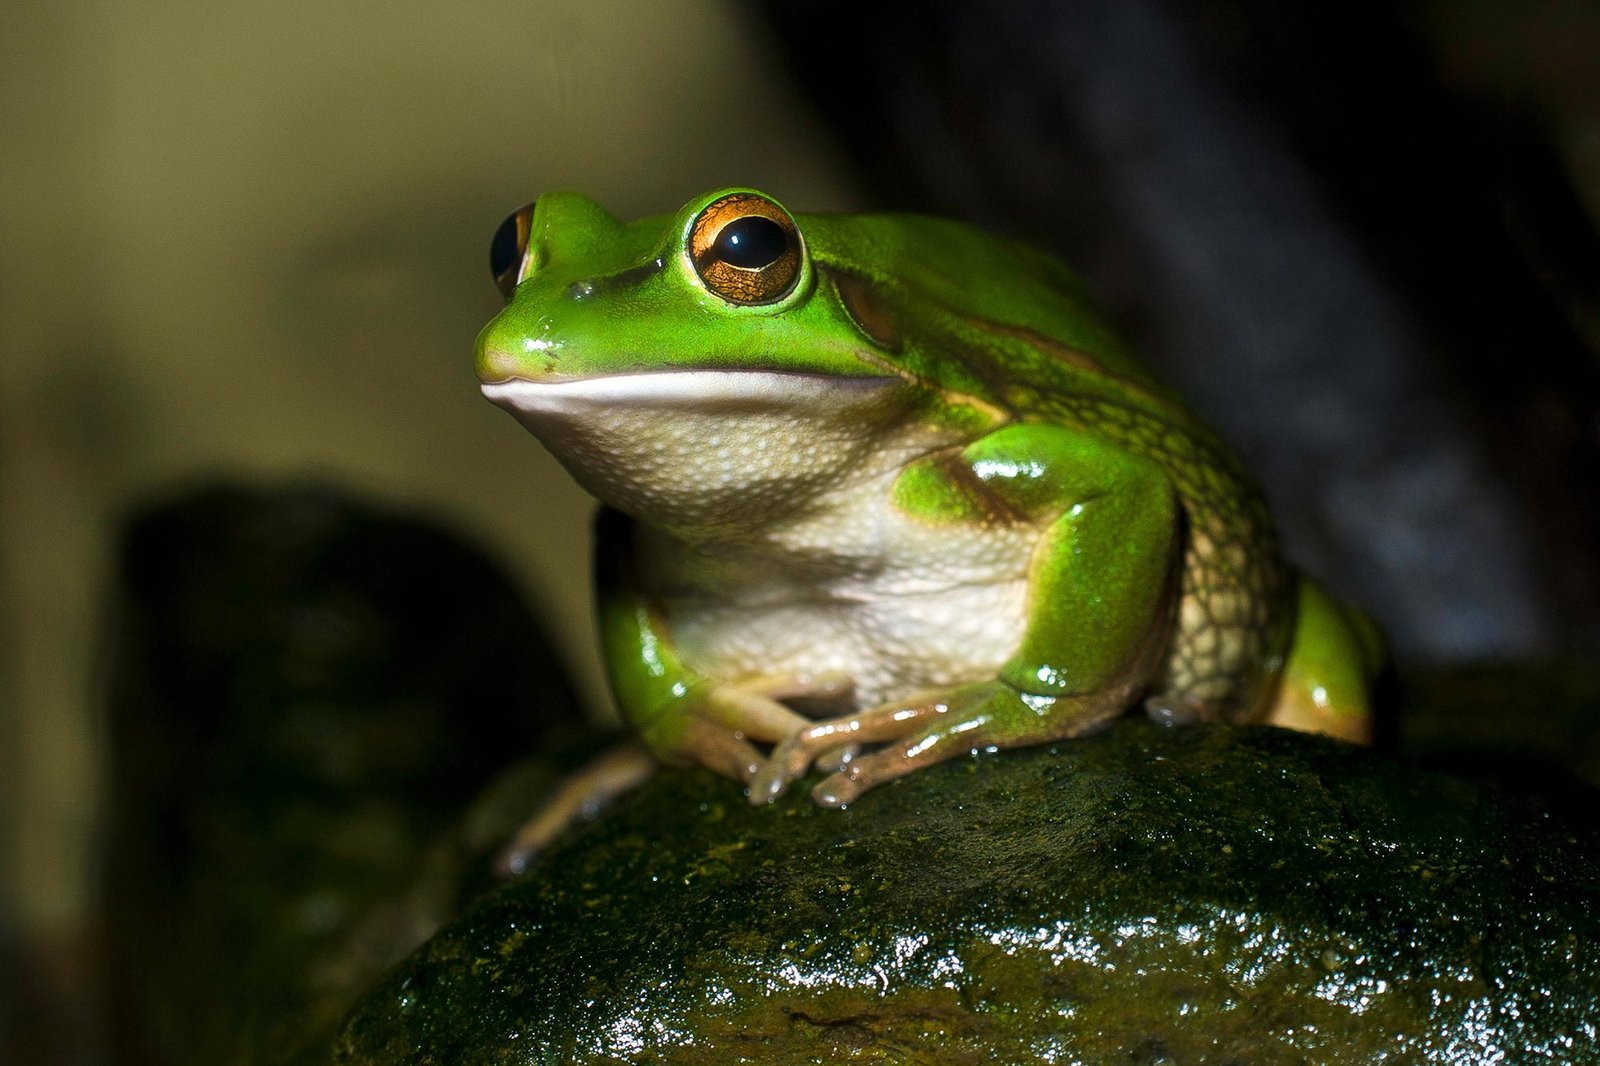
point(720, 723)
point(916, 732)
point(926, 730)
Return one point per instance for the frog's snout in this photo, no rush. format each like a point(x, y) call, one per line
point(495, 366)
point(507, 351)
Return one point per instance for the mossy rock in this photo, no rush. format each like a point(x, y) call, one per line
point(1197, 895)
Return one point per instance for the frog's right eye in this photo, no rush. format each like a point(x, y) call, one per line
point(508, 251)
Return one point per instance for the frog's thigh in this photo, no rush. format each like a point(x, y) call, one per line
point(1326, 681)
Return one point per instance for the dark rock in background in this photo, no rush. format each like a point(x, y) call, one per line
point(1374, 284)
point(1530, 726)
point(1109, 900)
point(306, 694)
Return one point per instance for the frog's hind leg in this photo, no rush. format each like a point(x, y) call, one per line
point(582, 795)
point(1326, 684)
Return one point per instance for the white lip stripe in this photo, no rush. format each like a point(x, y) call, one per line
point(688, 388)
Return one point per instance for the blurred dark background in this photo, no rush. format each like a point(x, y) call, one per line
point(1360, 238)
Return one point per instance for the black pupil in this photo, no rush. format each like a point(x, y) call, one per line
point(754, 241)
point(505, 253)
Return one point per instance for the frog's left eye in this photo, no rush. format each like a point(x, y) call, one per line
point(746, 249)
point(508, 251)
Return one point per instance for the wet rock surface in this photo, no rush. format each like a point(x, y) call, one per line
point(1198, 895)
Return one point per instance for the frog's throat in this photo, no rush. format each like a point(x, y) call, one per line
point(707, 453)
point(683, 390)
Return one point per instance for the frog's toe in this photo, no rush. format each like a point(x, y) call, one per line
point(836, 759)
point(750, 714)
point(771, 779)
point(946, 739)
point(836, 790)
point(866, 773)
point(821, 740)
point(788, 761)
point(720, 749)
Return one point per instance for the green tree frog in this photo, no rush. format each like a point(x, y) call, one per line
point(881, 490)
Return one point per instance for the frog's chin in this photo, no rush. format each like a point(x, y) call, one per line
point(701, 449)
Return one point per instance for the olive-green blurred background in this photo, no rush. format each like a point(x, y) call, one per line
point(250, 242)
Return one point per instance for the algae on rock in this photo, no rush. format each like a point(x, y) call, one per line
point(1198, 895)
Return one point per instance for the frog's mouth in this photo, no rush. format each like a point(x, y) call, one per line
point(709, 391)
point(708, 449)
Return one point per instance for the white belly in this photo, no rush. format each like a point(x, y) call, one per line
point(897, 604)
point(891, 648)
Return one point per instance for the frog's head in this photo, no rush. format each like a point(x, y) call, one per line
point(692, 370)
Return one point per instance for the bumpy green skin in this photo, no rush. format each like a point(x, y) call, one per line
point(1110, 900)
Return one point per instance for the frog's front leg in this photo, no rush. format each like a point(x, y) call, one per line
point(1102, 584)
point(682, 715)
